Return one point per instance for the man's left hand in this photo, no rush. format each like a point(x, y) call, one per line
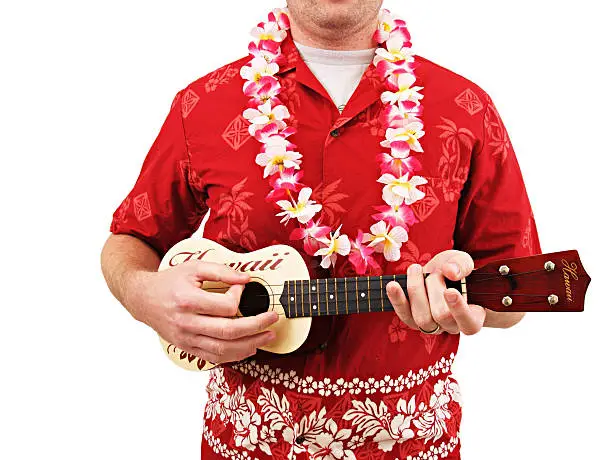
point(430, 304)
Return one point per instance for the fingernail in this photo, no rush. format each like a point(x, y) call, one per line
point(414, 269)
point(455, 268)
point(451, 297)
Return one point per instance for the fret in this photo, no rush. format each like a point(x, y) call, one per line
point(318, 291)
point(336, 294)
point(295, 297)
point(321, 295)
point(302, 295)
point(357, 293)
point(289, 299)
point(346, 296)
point(363, 294)
point(382, 298)
point(369, 306)
point(309, 299)
point(326, 298)
point(307, 287)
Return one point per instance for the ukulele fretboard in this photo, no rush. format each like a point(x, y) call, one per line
point(338, 296)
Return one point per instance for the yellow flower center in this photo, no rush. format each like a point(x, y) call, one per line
point(406, 185)
point(266, 37)
point(298, 207)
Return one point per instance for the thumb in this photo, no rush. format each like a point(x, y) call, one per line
point(211, 271)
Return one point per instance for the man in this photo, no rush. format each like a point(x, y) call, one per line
point(367, 386)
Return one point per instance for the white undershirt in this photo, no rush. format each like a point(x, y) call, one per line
point(338, 71)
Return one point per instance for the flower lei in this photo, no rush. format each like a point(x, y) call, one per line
point(394, 61)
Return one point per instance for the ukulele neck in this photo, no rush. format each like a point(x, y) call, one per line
point(545, 282)
point(341, 296)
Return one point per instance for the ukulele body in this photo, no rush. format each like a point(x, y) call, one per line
point(269, 268)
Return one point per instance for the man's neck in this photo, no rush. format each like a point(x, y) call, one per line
point(360, 38)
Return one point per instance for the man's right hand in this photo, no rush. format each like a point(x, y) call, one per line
point(199, 322)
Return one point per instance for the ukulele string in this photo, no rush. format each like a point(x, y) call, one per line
point(376, 278)
point(377, 299)
point(509, 275)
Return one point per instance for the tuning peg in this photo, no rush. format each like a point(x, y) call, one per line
point(553, 299)
point(504, 270)
point(507, 301)
point(549, 266)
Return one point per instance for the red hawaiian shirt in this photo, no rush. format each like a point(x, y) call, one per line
point(363, 386)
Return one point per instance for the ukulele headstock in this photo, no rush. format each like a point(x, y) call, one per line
point(546, 282)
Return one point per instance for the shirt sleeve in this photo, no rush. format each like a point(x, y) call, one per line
point(163, 207)
point(495, 219)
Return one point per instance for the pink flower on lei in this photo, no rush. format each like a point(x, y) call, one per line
point(388, 23)
point(361, 257)
point(401, 215)
point(287, 180)
point(266, 89)
point(399, 161)
point(313, 235)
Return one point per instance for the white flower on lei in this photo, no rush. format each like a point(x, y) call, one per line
point(410, 132)
point(386, 240)
point(398, 190)
point(405, 91)
point(303, 210)
point(387, 23)
point(265, 113)
point(336, 244)
point(276, 156)
point(258, 67)
point(394, 51)
point(269, 31)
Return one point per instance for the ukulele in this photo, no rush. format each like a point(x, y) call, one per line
point(280, 282)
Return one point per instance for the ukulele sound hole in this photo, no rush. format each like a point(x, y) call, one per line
point(254, 300)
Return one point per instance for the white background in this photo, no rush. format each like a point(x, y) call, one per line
point(84, 89)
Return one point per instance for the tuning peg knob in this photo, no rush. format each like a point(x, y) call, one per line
point(504, 270)
point(553, 299)
point(507, 301)
point(549, 266)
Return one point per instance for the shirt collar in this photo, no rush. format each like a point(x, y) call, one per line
point(293, 60)
point(367, 92)
point(291, 53)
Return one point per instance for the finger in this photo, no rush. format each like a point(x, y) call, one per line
point(230, 328)
point(419, 303)
point(469, 318)
point(400, 303)
point(211, 271)
point(458, 266)
point(221, 351)
point(437, 304)
point(213, 303)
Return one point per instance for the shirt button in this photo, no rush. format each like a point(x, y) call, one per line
point(300, 439)
point(334, 133)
